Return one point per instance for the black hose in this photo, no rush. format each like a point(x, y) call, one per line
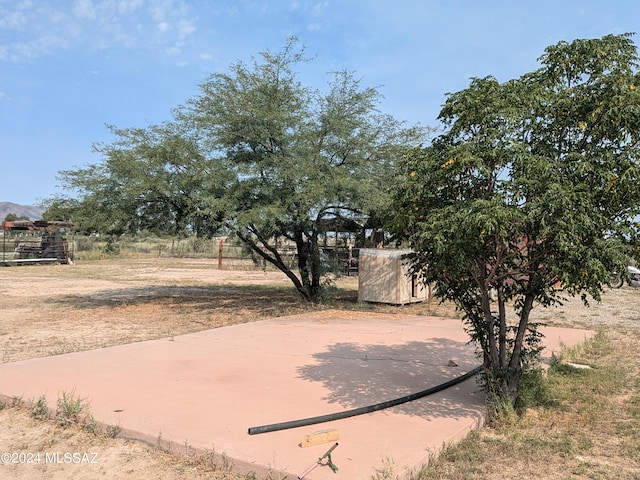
point(362, 410)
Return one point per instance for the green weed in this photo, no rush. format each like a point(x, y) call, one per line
point(40, 410)
point(70, 409)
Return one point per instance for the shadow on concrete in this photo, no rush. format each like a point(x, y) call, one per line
point(360, 375)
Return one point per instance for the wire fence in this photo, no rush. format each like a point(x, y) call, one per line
point(32, 247)
point(228, 254)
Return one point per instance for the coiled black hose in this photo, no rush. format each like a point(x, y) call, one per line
point(362, 410)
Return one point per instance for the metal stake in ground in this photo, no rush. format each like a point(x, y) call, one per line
point(327, 455)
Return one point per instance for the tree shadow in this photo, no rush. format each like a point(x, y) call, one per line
point(262, 300)
point(360, 375)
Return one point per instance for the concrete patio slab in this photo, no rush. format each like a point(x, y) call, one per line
point(204, 390)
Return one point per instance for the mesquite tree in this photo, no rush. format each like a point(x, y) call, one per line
point(298, 156)
point(256, 154)
point(152, 179)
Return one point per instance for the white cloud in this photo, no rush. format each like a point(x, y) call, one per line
point(185, 28)
point(34, 29)
point(31, 50)
point(313, 13)
point(84, 9)
point(14, 20)
point(318, 8)
point(129, 6)
point(162, 9)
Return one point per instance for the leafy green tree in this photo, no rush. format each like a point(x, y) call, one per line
point(256, 153)
point(12, 217)
point(153, 179)
point(530, 192)
point(298, 157)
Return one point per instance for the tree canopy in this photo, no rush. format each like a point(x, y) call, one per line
point(256, 153)
point(12, 217)
point(155, 179)
point(531, 192)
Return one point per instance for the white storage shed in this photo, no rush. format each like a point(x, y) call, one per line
point(383, 277)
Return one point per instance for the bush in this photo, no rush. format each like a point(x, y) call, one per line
point(70, 409)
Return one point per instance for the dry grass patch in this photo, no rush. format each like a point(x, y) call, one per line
point(99, 455)
point(589, 430)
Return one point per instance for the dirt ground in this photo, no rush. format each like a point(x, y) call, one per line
point(50, 310)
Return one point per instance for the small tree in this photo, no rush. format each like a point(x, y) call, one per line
point(153, 179)
point(530, 192)
point(12, 217)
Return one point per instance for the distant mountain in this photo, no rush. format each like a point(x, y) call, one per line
point(34, 213)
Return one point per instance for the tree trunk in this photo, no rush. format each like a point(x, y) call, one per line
point(303, 262)
point(490, 329)
point(515, 363)
point(309, 264)
point(316, 266)
point(271, 256)
point(502, 320)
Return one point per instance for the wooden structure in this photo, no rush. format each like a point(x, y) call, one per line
point(384, 277)
point(27, 242)
point(322, 436)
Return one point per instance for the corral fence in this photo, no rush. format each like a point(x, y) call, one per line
point(29, 242)
point(224, 252)
point(45, 242)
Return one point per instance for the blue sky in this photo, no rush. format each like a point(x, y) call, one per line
point(68, 67)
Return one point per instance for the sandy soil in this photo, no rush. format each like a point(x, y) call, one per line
point(50, 310)
point(61, 309)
